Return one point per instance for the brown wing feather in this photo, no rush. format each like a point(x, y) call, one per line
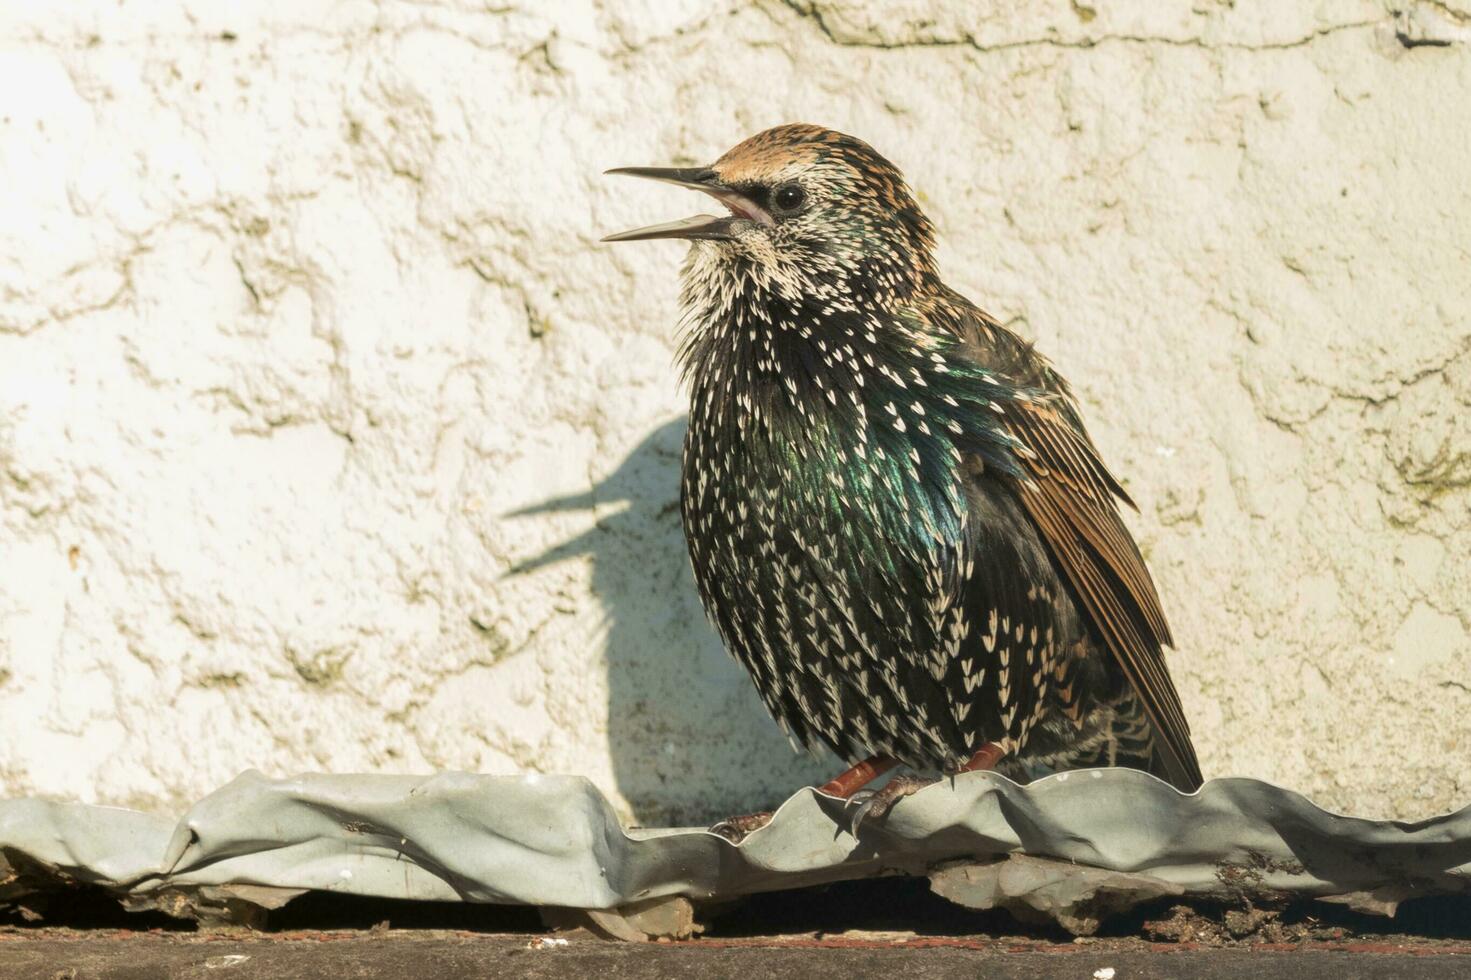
point(1071, 498)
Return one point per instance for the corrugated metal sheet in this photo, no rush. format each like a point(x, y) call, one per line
point(1075, 846)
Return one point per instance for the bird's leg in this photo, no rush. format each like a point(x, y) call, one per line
point(843, 786)
point(985, 758)
point(851, 780)
point(877, 804)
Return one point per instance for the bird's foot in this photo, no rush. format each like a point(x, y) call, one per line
point(876, 804)
point(736, 829)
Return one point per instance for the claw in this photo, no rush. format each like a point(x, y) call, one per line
point(877, 804)
point(860, 814)
point(737, 829)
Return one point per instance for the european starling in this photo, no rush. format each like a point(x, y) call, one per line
point(897, 521)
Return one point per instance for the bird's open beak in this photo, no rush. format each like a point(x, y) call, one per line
point(701, 225)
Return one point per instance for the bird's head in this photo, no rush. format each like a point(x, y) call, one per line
point(806, 205)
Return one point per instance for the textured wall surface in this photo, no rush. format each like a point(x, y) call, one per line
point(330, 439)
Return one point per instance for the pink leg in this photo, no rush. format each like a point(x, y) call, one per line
point(852, 780)
point(843, 785)
point(877, 805)
point(984, 759)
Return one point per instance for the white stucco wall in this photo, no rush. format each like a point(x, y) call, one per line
point(331, 440)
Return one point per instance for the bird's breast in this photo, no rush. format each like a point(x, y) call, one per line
point(808, 412)
point(765, 464)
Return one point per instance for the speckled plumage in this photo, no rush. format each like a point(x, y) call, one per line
point(896, 519)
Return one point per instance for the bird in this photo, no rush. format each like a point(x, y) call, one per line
point(896, 519)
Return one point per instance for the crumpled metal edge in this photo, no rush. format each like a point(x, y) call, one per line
point(1094, 842)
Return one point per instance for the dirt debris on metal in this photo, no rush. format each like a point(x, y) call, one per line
point(880, 913)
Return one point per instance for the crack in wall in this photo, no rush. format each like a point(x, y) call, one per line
point(813, 12)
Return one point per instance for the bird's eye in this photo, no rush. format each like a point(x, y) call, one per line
point(789, 197)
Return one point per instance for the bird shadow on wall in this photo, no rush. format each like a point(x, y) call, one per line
point(688, 737)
